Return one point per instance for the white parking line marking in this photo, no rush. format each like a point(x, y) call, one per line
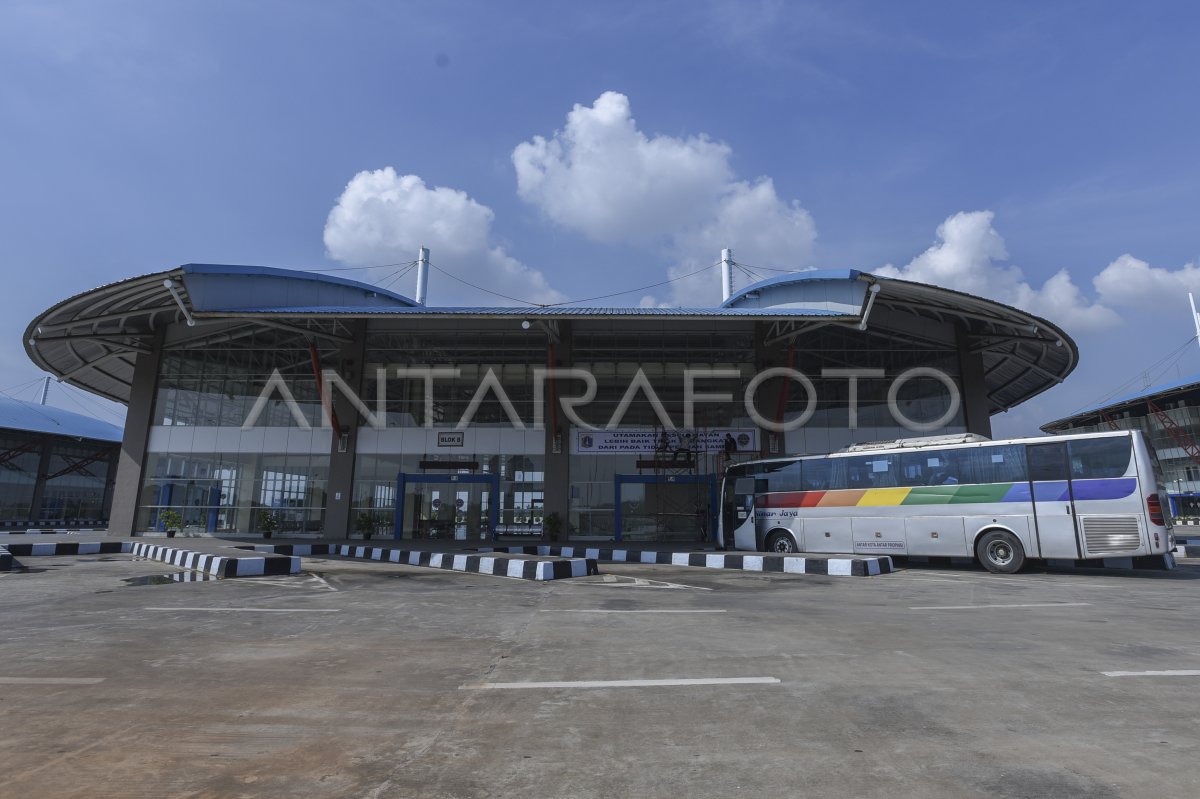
point(980, 607)
point(258, 610)
point(624, 683)
point(624, 581)
point(632, 611)
point(50, 680)
point(1177, 673)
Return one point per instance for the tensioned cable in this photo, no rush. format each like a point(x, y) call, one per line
point(396, 276)
point(1173, 356)
point(89, 399)
point(20, 387)
point(81, 407)
point(485, 290)
point(633, 291)
point(765, 268)
point(748, 272)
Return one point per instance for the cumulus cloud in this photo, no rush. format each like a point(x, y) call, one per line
point(1131, 282)
point(604, 178)
point(969, 256)
point(383, 217)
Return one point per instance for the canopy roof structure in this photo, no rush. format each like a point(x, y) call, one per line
point(31, 417)
point(92, 340)
point(1186, 389)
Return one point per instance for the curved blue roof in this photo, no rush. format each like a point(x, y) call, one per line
point(810, 276)
point(93, 339)
point(17, 414)
point(217, 287)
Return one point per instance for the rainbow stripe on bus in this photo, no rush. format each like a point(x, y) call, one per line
point(1048, 491)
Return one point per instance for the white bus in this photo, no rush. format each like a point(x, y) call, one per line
point(1098, 495)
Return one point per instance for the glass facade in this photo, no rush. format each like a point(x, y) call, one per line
point(204, 473)
point(1174, 435)
point(230, 492)
point(447, 438)
point(47, 480)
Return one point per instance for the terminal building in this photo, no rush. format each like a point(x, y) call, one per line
point(268, 399)
point(1169, 416)
point(57, 468)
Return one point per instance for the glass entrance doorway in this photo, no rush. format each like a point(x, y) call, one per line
point(447, 507)
point(665, 507)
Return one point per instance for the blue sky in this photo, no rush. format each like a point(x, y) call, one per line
point(559, 152)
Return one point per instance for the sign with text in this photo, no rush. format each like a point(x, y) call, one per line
point(641, 440)
point(450, 439)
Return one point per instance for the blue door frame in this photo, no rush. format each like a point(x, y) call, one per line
point(403, 479)
point(670, 479)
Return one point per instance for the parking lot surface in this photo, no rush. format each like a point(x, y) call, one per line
point(376, 680)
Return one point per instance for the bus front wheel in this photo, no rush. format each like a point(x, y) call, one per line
point(781, 543)
point(1000, 552)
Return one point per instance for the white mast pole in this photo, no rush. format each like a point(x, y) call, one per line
point(726, 275)
point(422, 274)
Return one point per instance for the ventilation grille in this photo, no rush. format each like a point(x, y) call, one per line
point(1111, 534)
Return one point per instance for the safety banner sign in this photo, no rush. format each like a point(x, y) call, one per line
point(721, 439)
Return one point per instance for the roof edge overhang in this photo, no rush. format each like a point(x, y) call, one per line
point(92, 340)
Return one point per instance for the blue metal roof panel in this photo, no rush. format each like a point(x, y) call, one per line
point(1185, 383)
point(29, 416)
point(811, 275)
point(239, 270)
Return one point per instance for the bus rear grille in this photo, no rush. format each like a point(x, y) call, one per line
point(1111, 533)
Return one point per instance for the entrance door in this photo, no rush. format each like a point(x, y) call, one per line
point(737, 520)
point(447, 507)
point(1053, 500)
point(665, 507)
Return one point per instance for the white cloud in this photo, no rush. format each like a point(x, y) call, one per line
point(603, 177)
point(968, 256)
point(606, 179)
point(383, 217)
point(761, 229)
point(1132, 282)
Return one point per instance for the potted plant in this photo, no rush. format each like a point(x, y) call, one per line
point(552, 525)
point(365, 523)
point(268, 523)
point(172, 521)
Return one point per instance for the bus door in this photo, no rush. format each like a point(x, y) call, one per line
point(737, 517)
point(1053, 500)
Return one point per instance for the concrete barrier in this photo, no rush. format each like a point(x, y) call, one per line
point(834, 566)
point(557, 568)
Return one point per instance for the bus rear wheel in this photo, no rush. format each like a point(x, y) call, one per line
point(1000, 552)
point(780, 543)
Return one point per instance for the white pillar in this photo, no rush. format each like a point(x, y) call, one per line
point(726, 275)
point(422, 274)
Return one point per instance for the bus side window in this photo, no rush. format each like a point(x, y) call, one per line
point(815, 476)
point(1004, 464)
point(920, 468)
point(1101, 457)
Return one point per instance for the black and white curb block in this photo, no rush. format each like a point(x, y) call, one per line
point(786, 564)
point(69, 548)
point(472, 563)
point(1187, 547)
point(32, 531)
point(219, 565)
point(6, 560)
point(215, 565)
